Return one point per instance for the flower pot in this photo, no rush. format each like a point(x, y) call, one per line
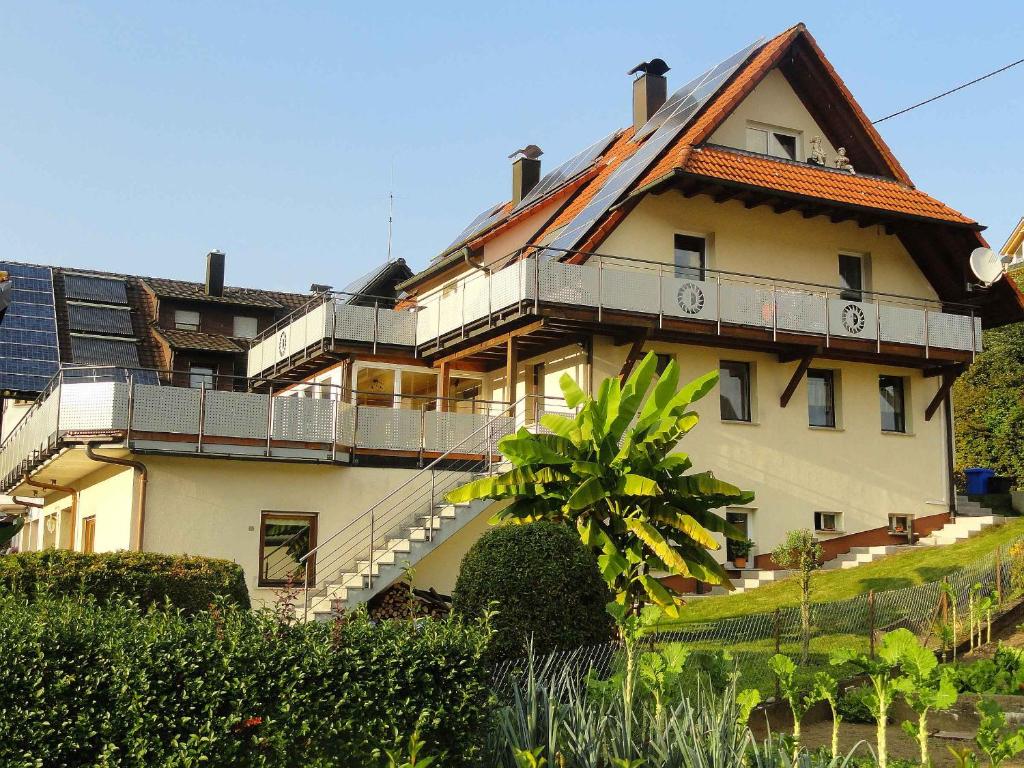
point(740, 562)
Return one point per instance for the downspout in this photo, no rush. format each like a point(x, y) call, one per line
point(467, 256)
point(63, 489)
point(947, 417)
point(32, 503)
point(143, 475)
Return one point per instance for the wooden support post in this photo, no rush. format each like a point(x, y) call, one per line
point(444, 385)
point(798, 374)
point(635, 352)
point(778, 648)
point(511, 370)
point(999, 577)
point(948, 379)
point(871, 622)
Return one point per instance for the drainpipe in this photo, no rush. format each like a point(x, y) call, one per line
point(33, 503)
point(947, 417)
point(143, 475)
point(467, 256)
point(63, 489)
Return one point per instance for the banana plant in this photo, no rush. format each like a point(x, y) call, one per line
point(612, 473)
point(925, 687)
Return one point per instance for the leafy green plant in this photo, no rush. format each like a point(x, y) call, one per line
point(951, 599)
point(610, 473)
point(826, 688)
point(185, 582)
point(925, 688)
point(995, 742)
point(9, 528)
point(798, 699)
point(412, 758)
point(544, 584)
point(853, 705)
point(801, 551)
point(884, 684)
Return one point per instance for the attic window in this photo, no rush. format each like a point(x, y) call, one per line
point(777, 142)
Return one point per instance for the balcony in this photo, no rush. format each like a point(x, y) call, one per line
point(328, 322)
point(701, 304)
point(119, 407)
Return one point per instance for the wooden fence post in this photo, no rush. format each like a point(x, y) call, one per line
point(871, 622)
point(999, 577)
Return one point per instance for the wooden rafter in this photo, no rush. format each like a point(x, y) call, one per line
point(634, 354)
point(798, 374)
point(948, 379)
point(494, 341)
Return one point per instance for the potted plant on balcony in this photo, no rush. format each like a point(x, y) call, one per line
point(740, 549)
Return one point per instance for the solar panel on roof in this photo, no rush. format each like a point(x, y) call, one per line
point(91, 350)
point(90, 288)
point(663, 127)
point(28, 334)
point(95, 319)
point(568, 170)
point(482, 220)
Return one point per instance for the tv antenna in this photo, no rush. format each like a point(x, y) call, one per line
point(391, 208)
point(989, 267)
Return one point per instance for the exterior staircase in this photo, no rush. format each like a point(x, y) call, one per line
point(972, 518)
point(372, 551)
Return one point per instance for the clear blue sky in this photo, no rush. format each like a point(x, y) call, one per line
point(137, 136)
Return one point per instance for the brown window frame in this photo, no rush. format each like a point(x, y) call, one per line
point(89, 534)
point(268, 514)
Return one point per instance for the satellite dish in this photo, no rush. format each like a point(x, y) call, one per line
point(986, 265)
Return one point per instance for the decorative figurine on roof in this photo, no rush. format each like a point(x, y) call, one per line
point(842, 161)
point(817, 151)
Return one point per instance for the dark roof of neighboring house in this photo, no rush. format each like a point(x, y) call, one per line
point(379, 282)
point(249, 297)
point(196, 340)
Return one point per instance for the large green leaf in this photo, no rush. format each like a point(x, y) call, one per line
point(637, 485)
point(633, 393)
point(708, 519)
point(571, 391)
point(527, 449)
point(563, 427)
point(686, 525)
point(650, 536)
point(492, 488)
point(675, 462)
point(706, 484)
point(664, 391)
point(659, 595)
point(589, 492)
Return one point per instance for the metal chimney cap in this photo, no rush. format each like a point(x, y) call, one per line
point(530, 152)
point(655, 67)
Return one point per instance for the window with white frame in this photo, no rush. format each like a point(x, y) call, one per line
point(200, 376)
point(690, 254)
point(186, 320)
point(828, 522)
point(774, 141)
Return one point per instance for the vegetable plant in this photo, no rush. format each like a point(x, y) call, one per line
point(925, 688)
point(802, 552)
point(884, 684)
point(826, 688)
point(611, 473)
point(995, 742)
point(799, 700)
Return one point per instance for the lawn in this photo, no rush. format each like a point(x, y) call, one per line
point(906, 569)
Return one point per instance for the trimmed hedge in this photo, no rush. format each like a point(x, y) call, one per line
point(546, 585)
point(87, 685)
point(189, 583)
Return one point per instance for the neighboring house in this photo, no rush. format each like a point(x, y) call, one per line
point(1014, 245)
point(723, 228)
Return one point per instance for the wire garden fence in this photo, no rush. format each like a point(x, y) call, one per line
point(747, 643)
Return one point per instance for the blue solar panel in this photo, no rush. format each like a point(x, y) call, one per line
point(481, 221)
point(663, 127)
point(29, 354)
point(567, 171)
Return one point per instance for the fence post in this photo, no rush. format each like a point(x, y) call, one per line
point(778, 647)
point(871, 622)
point(999, 576)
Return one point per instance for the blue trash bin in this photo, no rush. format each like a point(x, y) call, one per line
point(977, 480)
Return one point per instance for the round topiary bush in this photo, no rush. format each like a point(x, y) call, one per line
point(545, 583)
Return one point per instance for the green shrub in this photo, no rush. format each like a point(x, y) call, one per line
point(189, 583)
point(87, 685)
point(545, 584)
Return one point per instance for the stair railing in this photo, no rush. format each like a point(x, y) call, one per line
point(401, 508)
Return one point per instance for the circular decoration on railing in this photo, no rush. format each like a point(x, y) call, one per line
point(690, 298)
point(282, 343)
point(853, 318)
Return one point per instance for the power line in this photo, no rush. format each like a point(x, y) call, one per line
point(952, 90)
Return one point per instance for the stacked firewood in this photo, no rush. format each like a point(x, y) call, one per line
point(399, 602)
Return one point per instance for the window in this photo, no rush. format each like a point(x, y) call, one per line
point(734, 391)
point(900, 525)
point(690, 256)
point(821, 398)
point(828, 522)
point(285, 537)
point(419, 390)
point(892, 401)
point(200, 376)
point(777, 142)
point(851, 277)
point(466, 392)
point(186, 320)
point(741, 521)
point(245, 327)
point(89, 534)
point(375, 386)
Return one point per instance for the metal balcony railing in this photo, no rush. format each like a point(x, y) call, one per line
point(131, 407)
point(715, 297)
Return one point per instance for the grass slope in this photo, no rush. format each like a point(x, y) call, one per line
point(906, 569)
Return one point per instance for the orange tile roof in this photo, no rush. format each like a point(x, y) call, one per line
point(813, 181)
